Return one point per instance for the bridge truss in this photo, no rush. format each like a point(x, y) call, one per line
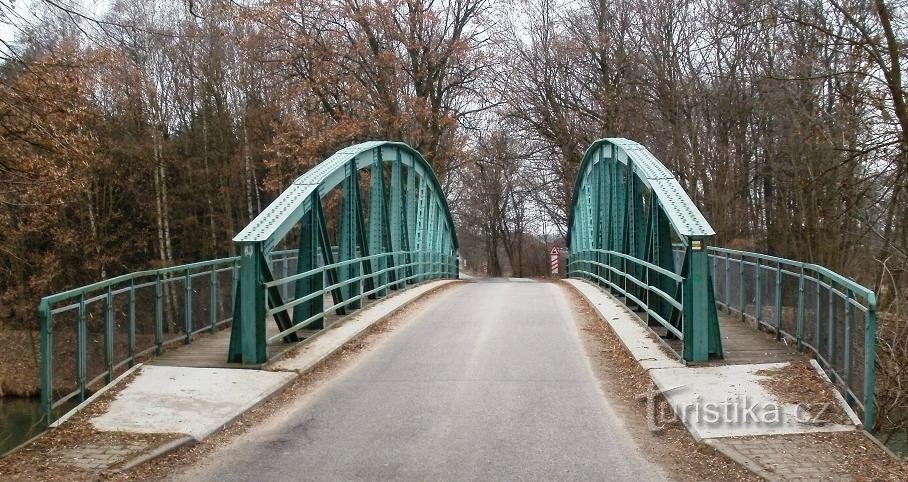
point(405, 235)
point(634, 229)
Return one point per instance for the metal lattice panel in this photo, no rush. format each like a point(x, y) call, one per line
point(626, 205)
point(278, 218)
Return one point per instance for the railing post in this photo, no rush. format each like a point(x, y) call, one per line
point(81, 348)
point(758, 298)
point(108, 334)
point(816, 330)
point(799, 323)
point(849, 343)
point(132, 322)
point(158, 314)
point(870, 364)
point(830, 327)
point(47, 360)
point(187, 305)
point(727, 285)
point(213, 292)
point(777, 309)
point(741, 291)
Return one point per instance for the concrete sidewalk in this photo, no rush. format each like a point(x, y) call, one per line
point(724, 406)
point(198, 402)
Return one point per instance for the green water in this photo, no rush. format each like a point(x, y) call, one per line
point(20, 419)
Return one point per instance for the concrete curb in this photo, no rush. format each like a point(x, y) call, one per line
point(94, 396)
point(189, 440)
point(185, 441)
point(739, 458)
point(838, 396)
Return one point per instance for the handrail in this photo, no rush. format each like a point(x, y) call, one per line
point(586, 258)
point(809, 317)
point(137, 274)
point(112, 306)
point(843, 280)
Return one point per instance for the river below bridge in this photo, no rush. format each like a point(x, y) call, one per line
point(20, 419)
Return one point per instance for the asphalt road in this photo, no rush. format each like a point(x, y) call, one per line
point(489, 383)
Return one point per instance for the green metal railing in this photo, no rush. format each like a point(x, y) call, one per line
point(92, 333)
point(645, 284)
point(819, 310)
point(373, 285)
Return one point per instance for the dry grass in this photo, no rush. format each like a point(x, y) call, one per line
point(799, 384)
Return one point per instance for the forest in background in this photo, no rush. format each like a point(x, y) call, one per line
point(150, 133)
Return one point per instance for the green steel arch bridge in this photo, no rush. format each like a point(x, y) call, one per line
point(372, 219)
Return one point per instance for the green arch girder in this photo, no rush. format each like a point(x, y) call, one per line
point(626, 209)
point(407, 235)
point(273, 223)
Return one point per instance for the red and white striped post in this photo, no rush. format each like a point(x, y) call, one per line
point(554, 257)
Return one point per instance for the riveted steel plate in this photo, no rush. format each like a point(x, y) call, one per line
point(682, 213)
point(275, 221)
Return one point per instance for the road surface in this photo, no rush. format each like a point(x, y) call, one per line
point(489, 383)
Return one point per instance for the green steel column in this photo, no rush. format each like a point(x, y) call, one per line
point(397, 216)
point(605, 208)
point(377, 219)
point(307, 260)
point(595, 211)
point(701, 335)
point(411, 204)
point(247, 337)
point(602, 216)
point(348, 235)
point(439, 236)
point(430, 236)
point(419, 244)
point(662, 256)
point(324, 243)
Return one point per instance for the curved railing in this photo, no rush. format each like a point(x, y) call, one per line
point(819, 310)
point(626, 212)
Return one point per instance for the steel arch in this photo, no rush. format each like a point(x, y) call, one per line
point(408, 236)
point(625, 209)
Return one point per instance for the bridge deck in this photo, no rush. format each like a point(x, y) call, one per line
point(210, 351)
point(743, 343)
